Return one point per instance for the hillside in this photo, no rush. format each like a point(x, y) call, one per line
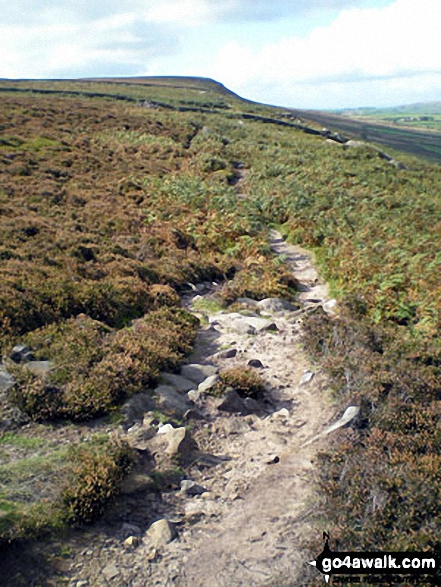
point(136, 222)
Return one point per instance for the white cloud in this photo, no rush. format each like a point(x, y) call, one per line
point(400, 42)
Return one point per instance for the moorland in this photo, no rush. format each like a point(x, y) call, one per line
point(114, 196)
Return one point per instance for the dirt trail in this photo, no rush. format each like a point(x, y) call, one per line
point(253, 524)
point(253, 527)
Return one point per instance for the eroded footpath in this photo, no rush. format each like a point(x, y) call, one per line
point(255, 507)
point(248, 508)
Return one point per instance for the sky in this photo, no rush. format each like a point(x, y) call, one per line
point(318, 54)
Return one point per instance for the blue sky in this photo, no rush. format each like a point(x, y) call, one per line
point(299, 53)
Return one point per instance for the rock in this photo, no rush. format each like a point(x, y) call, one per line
point(282, 414)
point(255, 363)
point(248, 302)
point(235, 322)
point(172, 400)
point(131, 542)
point(161, 533)
point(273, 460)
point(21, 353)
point(150, 420)
point(348, 416)
point(231, 402)
point(135, 408)
point(6, 380)
point(40, 368)
point(227, 354)
point(207, 460)
point(330, 307)
point(198, 373)
point(197, 508)
point(110, 572)
point(208, 383)
point(165, 429)
point(194, 395)
point(306, 377)
point(139, 436)
point(82, 584)
point(175, 438)
point(181, 383)
point(260, 324)
point(252, 406)
point(192, 415)
point(355, 144)
point(191, 488)
point(275, 305)
point(180, 443)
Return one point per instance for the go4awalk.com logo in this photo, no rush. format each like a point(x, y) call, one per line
point(354, 564)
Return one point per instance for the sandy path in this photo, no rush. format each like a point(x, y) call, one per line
point(254, 527)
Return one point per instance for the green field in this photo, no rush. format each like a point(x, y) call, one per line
point(115, 194)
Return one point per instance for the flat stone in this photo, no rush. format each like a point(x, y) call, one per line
point(110, 572)
point(235, 322)
point(208, 383)
point(165, 429)
point(198, 373)
point(181, 383)
point(275, 305)
point(248, 302)
point(197, 508)
point(191, 487)
point(260, 324)
point(161, 533)
point(172, 400)
point(306, 377)
point(136, 407)
point(227, 354)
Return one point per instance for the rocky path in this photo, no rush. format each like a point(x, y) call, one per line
point(259, 514)
point(253, 510)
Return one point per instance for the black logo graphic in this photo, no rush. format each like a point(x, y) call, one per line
point(367, 563)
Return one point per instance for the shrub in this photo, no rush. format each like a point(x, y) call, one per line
point(97, 470)
point(96, 368)
point(247, 383)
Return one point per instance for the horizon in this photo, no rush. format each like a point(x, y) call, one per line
point(343, 54)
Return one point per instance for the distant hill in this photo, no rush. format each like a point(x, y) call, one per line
point(190, 83)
